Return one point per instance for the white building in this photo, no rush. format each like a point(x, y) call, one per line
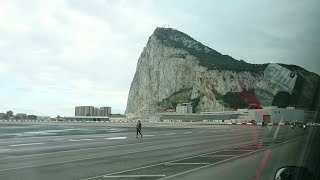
point(270, 114)
point(276, 115)
point(184, 108)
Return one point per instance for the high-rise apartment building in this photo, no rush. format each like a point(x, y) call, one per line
point(92, 111)
point(105, 111)
point(84, 111)
point(96, 112)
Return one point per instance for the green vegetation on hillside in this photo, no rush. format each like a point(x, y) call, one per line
point(180, 55)
point(181, 96)
point(207, 57)
point(217, 95)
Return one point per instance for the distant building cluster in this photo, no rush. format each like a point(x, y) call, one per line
point(2, 115)
point(92, 111)
point(9, 115)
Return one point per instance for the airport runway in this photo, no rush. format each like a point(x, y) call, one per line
point(31, 152)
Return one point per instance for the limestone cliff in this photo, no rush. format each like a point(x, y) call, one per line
point(174, 68)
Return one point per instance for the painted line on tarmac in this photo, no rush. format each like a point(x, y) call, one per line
point(239, 150)
point(276, 133)
point(76, 140)
point(236, 157)
point(148, 135)
point(131, 152)
point(103, 147)
point(153, 165)
point(30, 144)
point(168, 164)
point(135, 176)
point(169, 134)
point(116, 138)
point(65, 137)
point(96, 157)
point(218, 155)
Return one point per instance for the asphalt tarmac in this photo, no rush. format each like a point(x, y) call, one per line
point(64, 152)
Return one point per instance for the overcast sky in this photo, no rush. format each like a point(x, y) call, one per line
point(55, 55)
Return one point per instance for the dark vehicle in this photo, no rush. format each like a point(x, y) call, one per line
point(264, 124)
point(252, 121)
point(298, 124)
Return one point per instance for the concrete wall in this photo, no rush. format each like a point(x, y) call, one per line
point(282, 114)
point(180, 117)
point(220, 116)
point(244, 115)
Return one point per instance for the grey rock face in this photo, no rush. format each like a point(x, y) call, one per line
point(166, 75)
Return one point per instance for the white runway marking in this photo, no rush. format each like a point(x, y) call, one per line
point(212, 164)
point(218, 155)
point(147, 135)
point(30, 144)
point(187, 132)
point(169, 134)
point(238, 150)
point(134, 176)
point(112, 138)
point(153, 165)
point(74, 140)
point(185, 163)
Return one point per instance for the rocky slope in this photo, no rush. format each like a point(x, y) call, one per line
point(174, 68)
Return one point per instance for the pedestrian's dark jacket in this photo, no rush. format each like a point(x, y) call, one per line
point(138, 126)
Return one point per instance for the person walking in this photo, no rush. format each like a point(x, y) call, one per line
point(138, 127)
